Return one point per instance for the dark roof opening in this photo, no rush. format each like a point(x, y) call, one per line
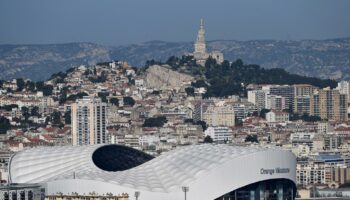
point(118, 158)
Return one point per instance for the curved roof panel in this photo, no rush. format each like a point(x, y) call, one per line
point(188, 165)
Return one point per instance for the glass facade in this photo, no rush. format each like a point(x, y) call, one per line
point(275, 189)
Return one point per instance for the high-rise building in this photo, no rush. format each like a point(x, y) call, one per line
point(258, 98)
point(302, 95)
point(200, 50)
point(329, 104)
point(301, 105)
point(303, 89)
point(344, 87)
point(89, 121)
point(276, 102)
point(286, 91)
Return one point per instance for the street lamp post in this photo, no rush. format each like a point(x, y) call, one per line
point(185, 189)
point(137, 194)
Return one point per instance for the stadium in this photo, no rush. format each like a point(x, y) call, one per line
point(205, 172)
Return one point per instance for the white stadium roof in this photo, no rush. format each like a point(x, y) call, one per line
point(216, 169)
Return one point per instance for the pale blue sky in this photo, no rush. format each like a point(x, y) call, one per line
point(117, 22)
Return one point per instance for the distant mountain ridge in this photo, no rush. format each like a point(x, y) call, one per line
point(320, 58)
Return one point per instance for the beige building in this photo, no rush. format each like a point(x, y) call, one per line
point(89, 121)
point(339, 174)
point(219, 115)
point(302, 95)
point(329, 104)
point(303, 90)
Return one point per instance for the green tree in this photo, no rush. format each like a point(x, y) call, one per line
point(35, 111)
point(25, 113)
point(4, 125)
point(190, 91)
point(208, 139)
point(103, 96)
point(238, 63)
point(203, 124)
point(114, 101)
point(173, 62)
point(46, 89)
point(39, 85)
point(79, 95)
point(263, 112)
point(9, 107)
point(56, 118)
point(20, 84)
point(128, 101)
point(155, 121)
point(31, 86)
point(252, 139)
point(199, 83)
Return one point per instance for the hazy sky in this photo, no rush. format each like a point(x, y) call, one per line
point(117, 22)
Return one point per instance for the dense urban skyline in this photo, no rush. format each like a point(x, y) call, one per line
point(194, 120)
point(125, 22)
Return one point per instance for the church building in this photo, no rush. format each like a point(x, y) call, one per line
point(200, 51)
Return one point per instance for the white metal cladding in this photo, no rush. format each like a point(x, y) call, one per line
point(209, 170)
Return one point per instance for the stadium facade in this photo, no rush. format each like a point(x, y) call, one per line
point(207, 171)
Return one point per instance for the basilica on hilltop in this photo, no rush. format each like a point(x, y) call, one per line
point(200, 51)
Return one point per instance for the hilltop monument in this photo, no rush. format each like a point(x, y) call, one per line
point(200, 50)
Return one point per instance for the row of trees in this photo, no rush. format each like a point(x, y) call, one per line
point(34, 86)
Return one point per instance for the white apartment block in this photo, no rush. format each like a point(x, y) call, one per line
point(258, 98)
point(89, 121)
point(310, 174)
point(277, 116)
point(219, 134)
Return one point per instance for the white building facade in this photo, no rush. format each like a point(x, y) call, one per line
point(89, 119)
point(208, 171)
point(219, 134)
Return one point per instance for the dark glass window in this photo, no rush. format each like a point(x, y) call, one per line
point(14, 195)
point(275, 189)
point(118, 158)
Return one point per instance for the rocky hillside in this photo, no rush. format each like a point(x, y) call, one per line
point(163, 77)
point(320, 58)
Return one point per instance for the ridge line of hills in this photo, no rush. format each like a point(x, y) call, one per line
point(328, 58)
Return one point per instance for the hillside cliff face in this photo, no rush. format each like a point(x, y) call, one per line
point(320, 58)
point(163, 77)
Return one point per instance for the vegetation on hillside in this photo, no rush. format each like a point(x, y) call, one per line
point(232, 78)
